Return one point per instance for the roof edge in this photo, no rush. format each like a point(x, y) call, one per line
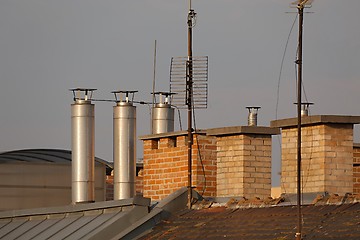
point(136, 201)
point(261, 130)
point(316, 119)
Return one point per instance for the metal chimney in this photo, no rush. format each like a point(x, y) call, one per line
point(252, 117)
point(124, 148)
point(305, 108)
point(162, 114)
point(82, 145)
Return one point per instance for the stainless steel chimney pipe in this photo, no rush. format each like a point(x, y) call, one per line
point(162, 115)
point(83, 145)
point(124, 148)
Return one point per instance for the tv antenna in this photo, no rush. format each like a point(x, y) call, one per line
point(300, 5)
point(188, 80)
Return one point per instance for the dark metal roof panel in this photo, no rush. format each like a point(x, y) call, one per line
point(96, 224)
point(83, 221)
point(53, 226)
point(39, 231)
point(71, 230)
point(6, 231)
point(23, 228)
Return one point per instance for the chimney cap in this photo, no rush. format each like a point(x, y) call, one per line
point(86, 92)
point(128, 94)
point(250, 108)
point(166, 94)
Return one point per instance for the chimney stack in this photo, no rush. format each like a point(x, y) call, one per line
point(83, 145)
point(124, 149)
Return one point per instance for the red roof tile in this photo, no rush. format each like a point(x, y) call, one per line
point(320, 222)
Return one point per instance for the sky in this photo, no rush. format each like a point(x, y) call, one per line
point(49, 46)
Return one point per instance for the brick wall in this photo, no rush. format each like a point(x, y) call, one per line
point(327, 158)
point(109, 187)
point(356, 169)
point(166, 161)
point(244, 165)
point(139, 183)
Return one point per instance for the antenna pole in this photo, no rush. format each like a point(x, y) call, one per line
point(299, 63)
point(189, 100)
point(153, 88)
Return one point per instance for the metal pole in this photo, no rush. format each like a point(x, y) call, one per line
point(189, 85)
point(299, 63)
point(153, 88)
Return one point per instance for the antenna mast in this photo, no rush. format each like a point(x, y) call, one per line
point(153, 87)
point(300, 5)
point(189, 99)
point(190, 73)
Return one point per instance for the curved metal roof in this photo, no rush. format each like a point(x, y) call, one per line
point(41, 156)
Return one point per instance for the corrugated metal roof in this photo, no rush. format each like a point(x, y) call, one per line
point(85, 221)
point(42, 155)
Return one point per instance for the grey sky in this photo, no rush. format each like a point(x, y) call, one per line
point(49, 46)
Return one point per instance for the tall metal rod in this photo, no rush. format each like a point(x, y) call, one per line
point(299, 63)
point(153, 89)
point(189, 90)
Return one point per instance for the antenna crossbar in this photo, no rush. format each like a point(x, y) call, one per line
point(178, 77)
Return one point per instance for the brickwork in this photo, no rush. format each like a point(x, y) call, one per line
point(244, 165)
point(166, 165)
point(326, 159)
point(109, 187)
point(139, 183)
point(356, 169)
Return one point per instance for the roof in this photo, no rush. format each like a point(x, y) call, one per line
point(319, 222)
point(42, 156)
point(170, 219)
point(119, 219)
point(101, 220)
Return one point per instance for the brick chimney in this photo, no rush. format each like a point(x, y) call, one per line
point(327, 153)
point(243, 160)
point(166, 164)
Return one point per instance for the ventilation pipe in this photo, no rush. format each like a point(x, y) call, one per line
point(162, 114)
point(124, 149)
point(82, 145)
point(252, 117)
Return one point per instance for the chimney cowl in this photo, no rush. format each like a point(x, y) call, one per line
point(252, 117)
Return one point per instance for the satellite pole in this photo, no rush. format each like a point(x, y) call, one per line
point(189, 99)
point(301, 4)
